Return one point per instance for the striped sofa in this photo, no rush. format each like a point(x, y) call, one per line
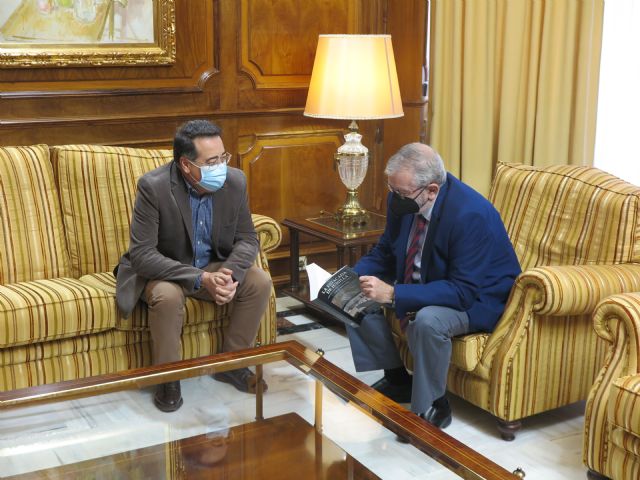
point(64, 222)
point(612, 418)
point(576, 232)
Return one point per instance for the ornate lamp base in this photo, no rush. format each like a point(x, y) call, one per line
point(352, 160)
point(352, 213)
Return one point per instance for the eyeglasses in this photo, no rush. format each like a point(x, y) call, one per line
point(221, 159)
point(408, 195)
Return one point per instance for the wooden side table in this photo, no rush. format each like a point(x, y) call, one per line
point(344, 237)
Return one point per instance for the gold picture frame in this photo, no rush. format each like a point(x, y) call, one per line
point(61, 33)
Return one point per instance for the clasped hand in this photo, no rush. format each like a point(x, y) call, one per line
point(376, 289)
point(220, 285)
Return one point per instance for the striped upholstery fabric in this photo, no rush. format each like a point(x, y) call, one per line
point(612, 414)
point(567, 215)
point(98, 187)
point(466, 350)
point(54, 327)
point(32, 245)
point(576, 232)
point(45, 310)
point(97, 190)
point(624, 408)
point(196, 311)
point(96, 354)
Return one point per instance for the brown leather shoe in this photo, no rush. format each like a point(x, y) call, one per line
point(168, 397)
point(242, 378)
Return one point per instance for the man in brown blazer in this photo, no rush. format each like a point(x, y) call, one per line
point(192, 235)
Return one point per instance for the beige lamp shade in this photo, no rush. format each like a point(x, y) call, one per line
point(354, 78)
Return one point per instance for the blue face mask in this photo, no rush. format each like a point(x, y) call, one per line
point(212, 177)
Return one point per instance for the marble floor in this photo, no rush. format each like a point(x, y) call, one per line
point(548, 447)
point(39, 437)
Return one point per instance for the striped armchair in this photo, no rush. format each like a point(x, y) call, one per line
point(64, 222)
point(612, 418)
point(576, 232)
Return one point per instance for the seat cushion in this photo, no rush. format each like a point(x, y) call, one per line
point(44, 310)
point(196, 311)
point(624, 404)
point(94, 354)
point(465, 353)
point(624, 416)
point(467, 350)
point(32, 244)
point(97, 190)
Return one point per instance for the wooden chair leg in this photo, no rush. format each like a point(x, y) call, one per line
point(593, 475)
point(508, 429)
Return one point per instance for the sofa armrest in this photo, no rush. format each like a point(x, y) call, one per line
point(617, 320)
point(268, 230)
point(577, 289)
point(554, 291)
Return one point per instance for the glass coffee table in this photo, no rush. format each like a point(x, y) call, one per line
point(315, 421)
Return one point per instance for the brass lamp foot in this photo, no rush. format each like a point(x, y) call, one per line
point(351, 213)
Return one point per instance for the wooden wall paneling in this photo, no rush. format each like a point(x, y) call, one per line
point(245, 64)
point(406, 22)
point(408, 28)
point(95, 104)
point(194, 56)
point(278, 39)
point(292, 174)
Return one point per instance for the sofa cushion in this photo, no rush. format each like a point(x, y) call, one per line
point(97, 190)
point(94, 354)
point(534, 206)
point(32, 245)
point(467, 350)
point(45, 310)
point(628, 442)
point(624, 404)
point(196, 311)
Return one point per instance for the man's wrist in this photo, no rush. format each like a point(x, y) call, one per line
point(198, 282)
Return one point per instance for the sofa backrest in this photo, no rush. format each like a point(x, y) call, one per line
point(97, 188)
point(32, 244)
point(567, 215)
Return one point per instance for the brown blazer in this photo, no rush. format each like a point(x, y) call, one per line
point(160, 246)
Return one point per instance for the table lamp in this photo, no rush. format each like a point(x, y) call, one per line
point(354, 78)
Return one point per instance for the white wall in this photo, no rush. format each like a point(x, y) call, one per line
point(618, 126)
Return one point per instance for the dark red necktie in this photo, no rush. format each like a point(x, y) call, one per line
point(414, 248)
point(409, 265)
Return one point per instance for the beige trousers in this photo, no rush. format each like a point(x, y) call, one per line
point(165, 302)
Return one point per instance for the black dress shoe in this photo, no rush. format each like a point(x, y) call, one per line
point(243, 379)
point(397, 393)
point(168, 397)
point(439, 416)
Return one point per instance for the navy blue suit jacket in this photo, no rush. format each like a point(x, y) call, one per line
point(468, 262)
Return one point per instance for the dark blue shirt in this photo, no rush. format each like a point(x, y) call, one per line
point(202, 222)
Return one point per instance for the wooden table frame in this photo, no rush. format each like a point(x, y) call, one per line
point(327, 228)
point(438, 445)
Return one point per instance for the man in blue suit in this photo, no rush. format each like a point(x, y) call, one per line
point(445, 264)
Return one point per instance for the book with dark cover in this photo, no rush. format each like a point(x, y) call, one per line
point(341, 297)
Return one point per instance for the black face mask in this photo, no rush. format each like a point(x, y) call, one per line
point(403, 205)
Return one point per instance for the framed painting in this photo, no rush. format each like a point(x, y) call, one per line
point(59, 33)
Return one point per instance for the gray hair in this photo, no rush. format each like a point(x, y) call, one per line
point(425, 162)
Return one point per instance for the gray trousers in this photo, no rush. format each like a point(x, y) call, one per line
point(429, 337)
